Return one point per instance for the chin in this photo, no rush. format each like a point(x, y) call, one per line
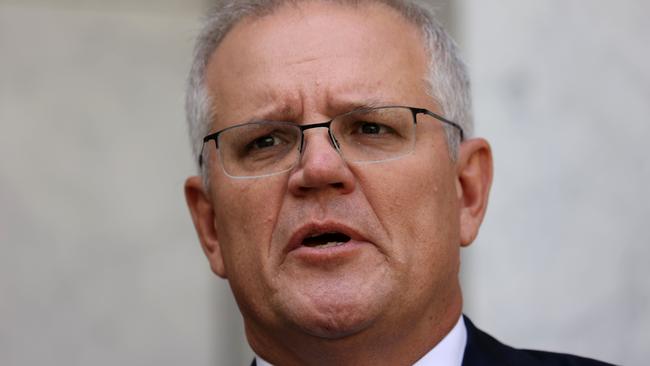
point(334, 316)
point(336, 324)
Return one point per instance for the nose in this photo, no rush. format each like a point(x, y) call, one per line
point(321, 167)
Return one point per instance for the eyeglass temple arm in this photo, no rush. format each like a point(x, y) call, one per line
point(441, 119)
point(206, 139)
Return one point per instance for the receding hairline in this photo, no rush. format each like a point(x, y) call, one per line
point(246, 24)
point(264, 9)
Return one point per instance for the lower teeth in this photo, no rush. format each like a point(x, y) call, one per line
point(330, 244)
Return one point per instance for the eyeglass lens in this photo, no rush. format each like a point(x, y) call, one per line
point(270, 147)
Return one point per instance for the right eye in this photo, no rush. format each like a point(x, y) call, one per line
point(266, 144)
point(263, 142)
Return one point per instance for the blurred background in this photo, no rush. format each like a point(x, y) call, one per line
point(99, 262)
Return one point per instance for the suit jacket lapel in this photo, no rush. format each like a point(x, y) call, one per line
point(482, 349)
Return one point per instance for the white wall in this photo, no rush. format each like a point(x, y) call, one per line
point(100, 264)
point(561, 90)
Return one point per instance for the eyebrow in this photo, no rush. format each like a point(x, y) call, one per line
point(350, 106)
point(292, 110)
point(287, 110)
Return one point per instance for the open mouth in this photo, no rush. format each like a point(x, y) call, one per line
point(326, 240)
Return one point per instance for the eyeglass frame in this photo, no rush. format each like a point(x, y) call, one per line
point(327, 124)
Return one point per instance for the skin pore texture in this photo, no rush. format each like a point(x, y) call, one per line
point(391, 293)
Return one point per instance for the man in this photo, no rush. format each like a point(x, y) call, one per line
point(341, 239)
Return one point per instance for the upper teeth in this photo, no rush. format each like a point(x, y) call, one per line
point(319, 234)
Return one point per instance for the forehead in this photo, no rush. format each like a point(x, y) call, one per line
point(317, 56)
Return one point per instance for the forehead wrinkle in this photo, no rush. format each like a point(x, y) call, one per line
point(282, 101)
point(299, 104)
point(270, 103)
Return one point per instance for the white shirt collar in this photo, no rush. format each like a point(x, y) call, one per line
point(449, 352)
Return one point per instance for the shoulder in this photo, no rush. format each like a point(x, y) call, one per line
point(484, 350)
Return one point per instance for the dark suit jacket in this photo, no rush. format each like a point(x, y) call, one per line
point(483, 350)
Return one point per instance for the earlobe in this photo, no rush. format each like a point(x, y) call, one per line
point(202, 211)
point(473, 186)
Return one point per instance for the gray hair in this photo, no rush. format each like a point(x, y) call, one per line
point(447, 78)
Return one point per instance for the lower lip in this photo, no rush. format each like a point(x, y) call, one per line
point(316, 255)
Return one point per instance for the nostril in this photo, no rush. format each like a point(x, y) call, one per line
point(336, 186)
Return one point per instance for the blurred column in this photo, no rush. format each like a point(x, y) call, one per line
point(561, 90)
point(100, 264)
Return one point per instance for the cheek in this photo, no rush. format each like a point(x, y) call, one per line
point(417, 207)
point(245, 215)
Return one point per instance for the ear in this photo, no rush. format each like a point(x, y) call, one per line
point(474, 174)
point(202, 211)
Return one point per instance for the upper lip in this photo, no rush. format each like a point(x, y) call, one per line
point(317, 228)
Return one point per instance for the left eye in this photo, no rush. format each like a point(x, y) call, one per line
point(371, 128)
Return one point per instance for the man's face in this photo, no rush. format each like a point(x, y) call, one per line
point(306, 64)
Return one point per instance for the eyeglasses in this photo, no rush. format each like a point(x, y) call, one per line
point(367, 135)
